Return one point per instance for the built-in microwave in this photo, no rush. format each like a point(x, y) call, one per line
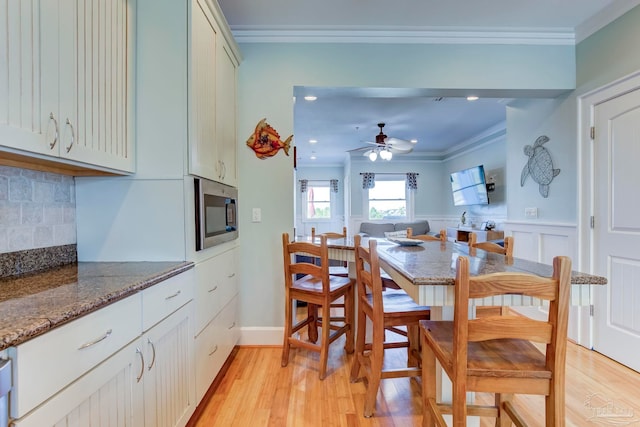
point(216, 213)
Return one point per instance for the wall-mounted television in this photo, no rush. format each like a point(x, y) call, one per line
point(469, 187)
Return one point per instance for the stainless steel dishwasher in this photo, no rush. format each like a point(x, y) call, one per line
point(5, 387)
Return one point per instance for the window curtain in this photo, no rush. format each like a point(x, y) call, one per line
point(368, 180)
point(334, 185)
point(412, 181)
point(303, 185)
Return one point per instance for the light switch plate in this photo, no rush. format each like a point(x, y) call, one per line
point(256, 215)
point(531, 212)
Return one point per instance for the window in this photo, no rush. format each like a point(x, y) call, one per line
point(389, 199)
point(317, 201)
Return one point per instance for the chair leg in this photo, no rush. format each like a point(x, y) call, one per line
point(324, 345)
point(459, 406)
point(428, 384)
point(554, 404)
point(360, 336)
point(502, 420)
point(312, 328)
point(376, 359)
point(288, 321)
point(413, 335)
point(349, 317)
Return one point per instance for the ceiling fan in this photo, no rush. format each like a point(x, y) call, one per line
point(385, 146)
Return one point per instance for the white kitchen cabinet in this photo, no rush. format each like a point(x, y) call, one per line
point(212, 91)
point(66, 87)
point(169, 375)
point(214, 344)
point(216, 283)
point(109, 395)
point(128, 364)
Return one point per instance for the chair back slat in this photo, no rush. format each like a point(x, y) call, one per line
point(512, 284)
point(293, 267)
point(500, 327)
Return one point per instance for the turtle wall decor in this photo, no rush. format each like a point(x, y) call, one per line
point(539, 166)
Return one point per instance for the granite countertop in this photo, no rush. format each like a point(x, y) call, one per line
point(32, 304)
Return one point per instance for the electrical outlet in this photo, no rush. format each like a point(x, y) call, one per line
point(256, 215)
point(531, 212)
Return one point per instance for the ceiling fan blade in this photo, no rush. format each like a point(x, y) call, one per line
point(359, 149)
point(399, 150)
point(399, 143)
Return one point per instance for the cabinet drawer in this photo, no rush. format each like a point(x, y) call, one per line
point(162, 299)
point(48, 363)
point(216, 284)
point(213, 346)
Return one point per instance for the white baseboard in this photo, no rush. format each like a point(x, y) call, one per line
point(257, 335)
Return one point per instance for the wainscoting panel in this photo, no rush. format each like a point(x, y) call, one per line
point(541, 242)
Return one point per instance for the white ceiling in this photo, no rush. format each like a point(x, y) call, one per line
point(341, 119)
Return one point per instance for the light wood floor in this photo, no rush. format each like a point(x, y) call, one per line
point(256, 391)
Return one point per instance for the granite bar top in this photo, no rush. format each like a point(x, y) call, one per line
point(32, 304)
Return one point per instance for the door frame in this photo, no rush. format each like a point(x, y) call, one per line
point(586, 169)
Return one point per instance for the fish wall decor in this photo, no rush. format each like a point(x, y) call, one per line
point(265, 141)
point(539, 166)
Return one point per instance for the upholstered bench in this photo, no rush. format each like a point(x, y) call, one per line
point(377, 229)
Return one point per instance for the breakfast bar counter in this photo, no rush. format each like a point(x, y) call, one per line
point(34, 303)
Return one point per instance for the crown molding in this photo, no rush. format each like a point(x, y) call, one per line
point(404, 35)
point(607, 15)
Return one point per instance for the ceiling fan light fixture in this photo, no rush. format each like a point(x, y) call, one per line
point(373, 156)
point(386, 154)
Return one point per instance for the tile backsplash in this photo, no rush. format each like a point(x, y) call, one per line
point(37, 209)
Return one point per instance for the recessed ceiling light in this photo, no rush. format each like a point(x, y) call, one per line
point(313, 141)
point(310, 98)
point(313, 155)
point(472, 98)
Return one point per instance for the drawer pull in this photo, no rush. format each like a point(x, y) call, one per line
point(153, 347)
point(231, 275)
point(233, 325)
point(173, 296)
point(214, 288)
point(96, 341)
point(214, 350)
point(139, 377)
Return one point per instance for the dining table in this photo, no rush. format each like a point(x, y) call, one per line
point(427, 270)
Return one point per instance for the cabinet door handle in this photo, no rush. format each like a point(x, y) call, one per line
point(173, 296)
point(231, 275)
point(52, 118)
point(213, 289)
point(232, 325)
point(73, 136)
point(214, 350)
point(139, 377)
point(95, 341)
point(153, 358)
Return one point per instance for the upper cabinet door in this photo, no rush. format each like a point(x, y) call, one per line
point(226, 113)
point(69, 78)
point(203, 153)
point(212, 92)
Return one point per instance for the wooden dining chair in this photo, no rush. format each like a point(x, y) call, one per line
point(335, 270)
point(427, 237)
point(497, 354)
point(387, 311)
point(318, 289)
point(507, 251)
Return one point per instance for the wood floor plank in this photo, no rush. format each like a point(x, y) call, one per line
point(257, 391)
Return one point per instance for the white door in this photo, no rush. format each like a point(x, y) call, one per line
point(616, 239)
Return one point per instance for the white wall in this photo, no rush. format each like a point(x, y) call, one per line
point(267, 76)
